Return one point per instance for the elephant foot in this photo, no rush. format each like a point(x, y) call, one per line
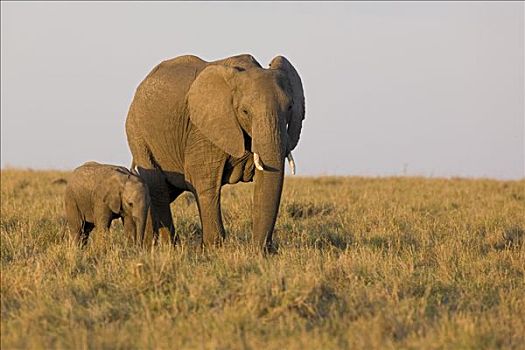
point(164, 236)
point(148, 240)
point(271, 249)
point(213, 241)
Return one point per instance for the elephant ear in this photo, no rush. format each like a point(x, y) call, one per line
point(111, 193)
point(210, 104)
point(298, 109)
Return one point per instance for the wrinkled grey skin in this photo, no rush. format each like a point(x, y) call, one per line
point(195, 126)
point(98, 193)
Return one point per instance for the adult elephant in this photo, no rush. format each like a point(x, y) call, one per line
point(196, 125)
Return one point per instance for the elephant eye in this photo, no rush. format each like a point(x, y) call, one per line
point(130, 204)
point(245, 111)
point(290, 107)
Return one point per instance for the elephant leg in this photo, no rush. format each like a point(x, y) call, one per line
point(87, 227)
point(164, 222)
point(103, 218)
point(174, 194)
point(206, 180)
point(209, 203)
point(159, 224)
point(79, 228)
point(75, 224)
point(74, 219)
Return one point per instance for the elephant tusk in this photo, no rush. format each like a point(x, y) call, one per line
point(257, 161)
point(291, 161)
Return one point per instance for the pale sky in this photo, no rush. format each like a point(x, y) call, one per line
point(416, 88)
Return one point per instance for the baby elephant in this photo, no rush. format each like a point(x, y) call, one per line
point(98, 193)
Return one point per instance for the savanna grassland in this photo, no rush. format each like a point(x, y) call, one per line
point(363, 263)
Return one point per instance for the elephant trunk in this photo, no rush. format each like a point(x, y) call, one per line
point(140, 223)
point(266, 200)
point(269, 145)
point(140, 226)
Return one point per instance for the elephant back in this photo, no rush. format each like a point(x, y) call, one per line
point(242, 62)
point(164, 88)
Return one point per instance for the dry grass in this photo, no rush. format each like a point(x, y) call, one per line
point(362, 263)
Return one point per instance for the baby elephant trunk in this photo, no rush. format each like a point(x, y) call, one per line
point(140, 217)
point(138, 202)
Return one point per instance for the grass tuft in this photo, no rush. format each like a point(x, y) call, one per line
point(362, 263)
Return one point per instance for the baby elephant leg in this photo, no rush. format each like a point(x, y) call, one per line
point(74, 219)
point(86, 230)
point(103, 218)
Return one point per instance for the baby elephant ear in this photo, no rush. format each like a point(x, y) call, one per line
point(112, 190)
point(210, 104)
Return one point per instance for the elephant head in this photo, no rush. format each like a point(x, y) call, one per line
point(256, 110)
point(127, 195)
